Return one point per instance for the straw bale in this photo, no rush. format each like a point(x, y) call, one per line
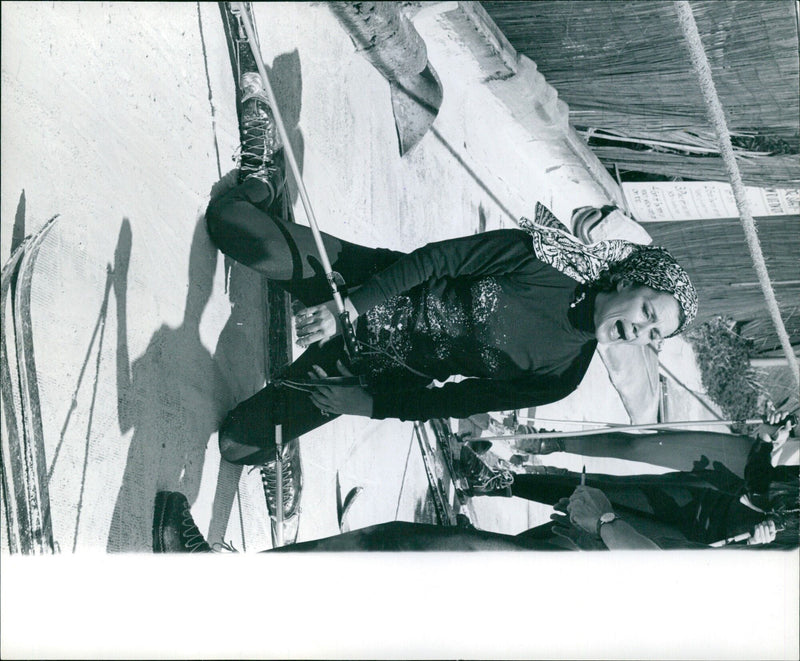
point(623, 66)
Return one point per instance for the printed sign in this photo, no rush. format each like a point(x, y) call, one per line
point(694, 200)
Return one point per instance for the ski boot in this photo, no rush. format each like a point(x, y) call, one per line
point(481, 479)
point(292, 472)
point(260, 151)
point(174, 529)
point(260, 154)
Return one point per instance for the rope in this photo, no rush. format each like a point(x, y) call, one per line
point(717, 118)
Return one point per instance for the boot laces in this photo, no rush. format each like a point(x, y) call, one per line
point(193, 538)
point(501, 479)
point(269, 477)
point(483, 478)
point(258, 135)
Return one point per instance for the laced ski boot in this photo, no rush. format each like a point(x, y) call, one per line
point(292, 472)
point(174, 529)
point(261, 151)
point(481, 479)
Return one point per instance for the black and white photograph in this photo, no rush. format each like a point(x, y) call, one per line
point(366, 329)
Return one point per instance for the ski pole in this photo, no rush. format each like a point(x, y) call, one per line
point(593, 432)
point(279, 485)
point(790, 416)
point(595, 423)
point(741, 537)
point(333, 278)
point(731, 540)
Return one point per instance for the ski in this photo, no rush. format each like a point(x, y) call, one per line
point(238, 45)
point(24, 472)
point(343, 505)
point(277, 305)
point(451, 447)
point(14, 509)
point(434, 471)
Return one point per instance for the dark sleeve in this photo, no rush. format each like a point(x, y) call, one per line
point(759, 470)
point(717, 516)
point(470, 396)
point(490, 253)
point(763, 481)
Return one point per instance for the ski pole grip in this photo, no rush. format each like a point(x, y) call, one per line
point(349, 334)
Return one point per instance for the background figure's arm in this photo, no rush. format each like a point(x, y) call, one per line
point(619, 534)
point(587, 505)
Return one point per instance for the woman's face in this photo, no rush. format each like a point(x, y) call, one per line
point(635, 314)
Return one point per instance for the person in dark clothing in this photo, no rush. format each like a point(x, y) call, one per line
point(518, 312)
point(679, 510)
point(710, 506)
point(174, 531)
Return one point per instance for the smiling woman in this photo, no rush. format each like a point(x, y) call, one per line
point(640, 294)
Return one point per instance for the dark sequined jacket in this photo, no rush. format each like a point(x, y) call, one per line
point(482, 307)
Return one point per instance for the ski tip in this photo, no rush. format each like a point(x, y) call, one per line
point(349, 499)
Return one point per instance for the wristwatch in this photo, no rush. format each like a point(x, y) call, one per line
point(608, 517)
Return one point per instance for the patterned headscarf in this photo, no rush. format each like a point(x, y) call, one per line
point(651, 266)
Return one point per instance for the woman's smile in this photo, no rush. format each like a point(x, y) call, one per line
point(635, 314)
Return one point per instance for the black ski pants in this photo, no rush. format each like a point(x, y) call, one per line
point(243, 224)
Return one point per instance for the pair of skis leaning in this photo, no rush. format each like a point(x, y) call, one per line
point(25, 493)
